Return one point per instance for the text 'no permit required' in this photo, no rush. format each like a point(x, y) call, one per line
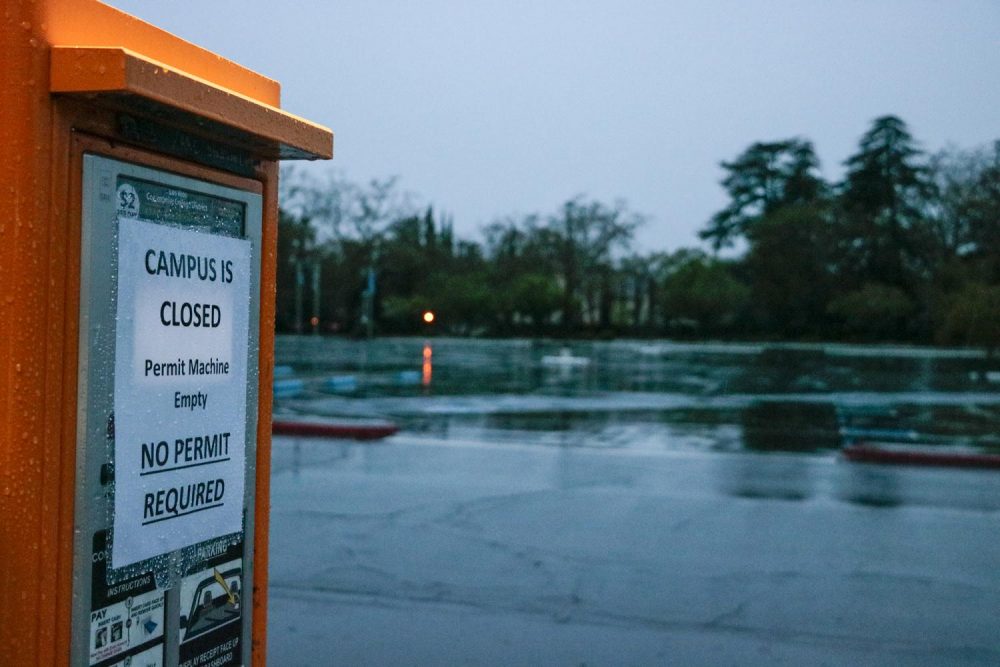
point(178, 501)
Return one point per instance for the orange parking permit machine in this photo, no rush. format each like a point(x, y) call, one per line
point(138, 222)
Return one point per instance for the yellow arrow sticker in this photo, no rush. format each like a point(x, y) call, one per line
point(225, 587)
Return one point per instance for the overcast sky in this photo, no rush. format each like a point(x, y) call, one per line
point(488, 108)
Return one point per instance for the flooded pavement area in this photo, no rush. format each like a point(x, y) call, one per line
point(566, 521)
point(641, 395)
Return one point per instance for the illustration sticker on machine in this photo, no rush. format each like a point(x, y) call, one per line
point(211, 610)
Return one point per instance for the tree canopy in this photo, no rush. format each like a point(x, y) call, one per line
point(906, 247)
point(762, 179)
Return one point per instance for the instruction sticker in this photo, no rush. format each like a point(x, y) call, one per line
point(126, 618)
point(180, 388)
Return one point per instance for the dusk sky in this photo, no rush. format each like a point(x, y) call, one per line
point(491, 108)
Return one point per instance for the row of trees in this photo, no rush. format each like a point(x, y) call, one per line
point(906, 247)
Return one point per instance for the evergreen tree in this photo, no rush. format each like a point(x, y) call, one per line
point(884, 197)
point(762, 179)
point(790, 271)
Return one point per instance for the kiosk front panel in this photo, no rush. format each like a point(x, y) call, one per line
point(170, 291)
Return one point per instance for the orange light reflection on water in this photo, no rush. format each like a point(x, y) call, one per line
point(427, 367)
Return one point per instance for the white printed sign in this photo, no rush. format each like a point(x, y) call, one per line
point(180, 388)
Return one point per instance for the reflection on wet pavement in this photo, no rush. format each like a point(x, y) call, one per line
point(651, 396)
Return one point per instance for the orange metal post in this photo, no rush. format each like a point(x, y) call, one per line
point(33, 350)
point(55, 90)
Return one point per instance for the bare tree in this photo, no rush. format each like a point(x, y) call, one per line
point(588, 233)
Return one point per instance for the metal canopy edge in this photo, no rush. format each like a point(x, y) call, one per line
point(122, 74)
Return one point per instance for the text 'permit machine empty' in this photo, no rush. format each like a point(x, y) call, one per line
point(180, 387)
